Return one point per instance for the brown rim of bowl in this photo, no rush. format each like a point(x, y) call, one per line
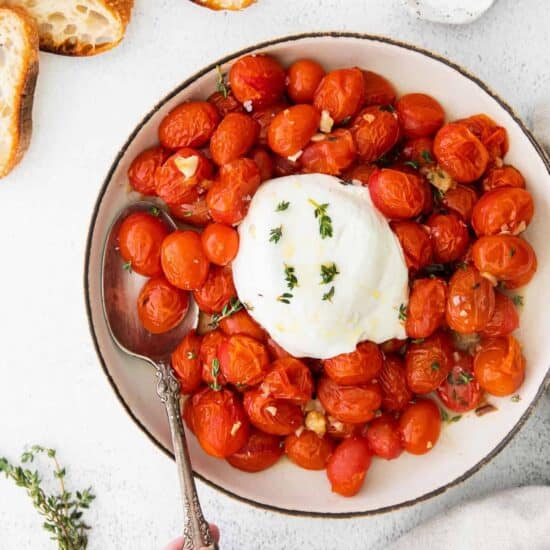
point(176, 91)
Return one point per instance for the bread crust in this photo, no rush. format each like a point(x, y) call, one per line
point(21, 126)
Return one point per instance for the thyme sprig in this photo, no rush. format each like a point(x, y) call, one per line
point(275, 234)
point(282, 206)
point(328, 272)
point(325, 222)
point(228, 309)
point(327, 297)
point(215, 372)
point(290, 277)
point(285, 297)
point(63, 511)
point(221, 86)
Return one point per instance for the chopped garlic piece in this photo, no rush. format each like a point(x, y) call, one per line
point(520, 228)
point(271, 410)
point(294, 158)
point(318, 137)
point(248, 106)
point(316, 422)
point(368, 117)
point(491, 278)
point(429, 445)
point(314, 405)
point(299, 431)
point(187, 165)
point(235, 427)
point(439, 178)
point(326, 123)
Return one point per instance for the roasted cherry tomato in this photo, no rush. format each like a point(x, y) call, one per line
point(384, 438)
point(461, 199)
point(493, 137)
point(308, 450)
point(460, 391)
point(460, 153)
point(265, 116)
point(419, 151)
point(505, 318)
point(275, 350)
point(291, 129)
point(375, 131)
point(219, 422)
point(393, 345)
point(450, 237)
point(503, 210)
point(332, 154)
point(357, 367)
point(243, 360)
point(378, 90)
point(426, 311)
point(186, 362)
point(264, 161)
point(183, 260)
point(241, 323)
point(342, 430)
point(397, 194)
point(139, 239)
point(181, 174)
point(193, 212)
point(283, 166)
point(420, 115)
point(188, 125)
point(506, 258)
point(233, 138)
point(428, 362)
point(260, 452)
point(420, 426)
point(393, 381)
point(209, 356)
point(348, 465)
point(499, 365)
point(359, 173)
point(416, 242)
point(216, 291)
point(220, 243)
point(161, 307)
point(225, 103)
point(354, 404)
point(341, 93)
point(303, 77)
point(470, 301)
point(289, 379)
point(257, 80)
point(229, 197)
point(141, 173)
point(273, 416)
point(504, 176)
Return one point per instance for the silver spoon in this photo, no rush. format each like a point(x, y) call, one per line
point(119, 296)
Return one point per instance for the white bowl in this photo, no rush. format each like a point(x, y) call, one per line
point(465, 446)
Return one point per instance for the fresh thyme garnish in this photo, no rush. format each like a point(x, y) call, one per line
point(427, 156)
point(154, 211)
point(446, 418)
point(325, 222)
point(438, 194)
point(229, 309)
point(412, 164)
point(221, 86)
point(327, 296)
point(418, 340)
point(435, 365)
point(290, 277)
point(512, 252)
point(283, 205)
point(191, 355)
point(402, 312)
point(275, 234)
point(346, 182)
point(128, 266)
point(516, 398)
point(285, 297)
point(215, 371)
point(460, 379)
point(517, 299)
point(62, 511)
point(328, 272)
point(389, 108)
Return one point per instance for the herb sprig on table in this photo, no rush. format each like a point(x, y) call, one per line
point(62, 511)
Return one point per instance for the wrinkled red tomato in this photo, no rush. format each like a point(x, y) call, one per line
point(493, 137)
point(461, 199)
point(416, 241)
point(460, 391)
point(209, 356)
point(303, 77)
point(348, 466)
point(505, 319)
point(308, 450)
point(141, 173)
point(264, 162)
point(426, 310)
point(384, 438)
point(450, 237)
point(420, 426)
point(332, 154)
point(393, 381)
point(186, 362)
point(420, 115)
point(241, 323)
point(193, 212)
point(378, 90)
point(357, 367)
point(233, 138)
point(225, 103)
point(273, 416)
point(289, 379)
point(260, 452)
point(504, 176)
point(216, 291)
point(243, 360)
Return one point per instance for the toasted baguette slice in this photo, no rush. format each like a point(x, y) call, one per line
point(78, 27)
point(18, 72)
point(225, 4)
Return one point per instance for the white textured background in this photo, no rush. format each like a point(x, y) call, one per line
point(52, 389)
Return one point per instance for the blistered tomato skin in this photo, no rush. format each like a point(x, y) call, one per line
point(504, 176)
point(139, 239)
point(460, 391)
point(384, 438)
point(359, 173)
point(503, 210)
point(193, 212)
point(375, 131)
point(243, 360)
point(341, 93)
point(186, 362)
point(416, 241)
point(209, 356)
point(308, 450)
point(420, 426)
point(493, 137)
point(241, 323)
point(460, 153)
point(348, 466)
point(420, 115)
point(257, 80)
point(264, 161)
point(378, 90)
point(161, 307)
point(217, 290)
point(505, 319)
point(141, 173)
point(393, 381)
point(188, 125)
point(450, 237)
point(261, 451)
point(233, 138)
point(426, 309)
point(219, 422)
point(220, 243)
point(428, 362)
point(290, 379)
point(303, 77)
point(470, 301)
point(225, 103)
point(183, 260)
point(420, 151)
point(230, 195)
point(357, 367)
point(331, 155)
point(461, 200)
point(265, 116)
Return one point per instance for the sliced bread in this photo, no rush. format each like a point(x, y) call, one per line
point(18, 72)
point(78, 27)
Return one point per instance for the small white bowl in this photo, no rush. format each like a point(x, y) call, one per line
point(465, 446)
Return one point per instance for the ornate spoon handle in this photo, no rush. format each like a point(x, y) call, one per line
point(196, 531)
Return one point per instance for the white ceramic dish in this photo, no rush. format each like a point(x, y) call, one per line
point(465, 446)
